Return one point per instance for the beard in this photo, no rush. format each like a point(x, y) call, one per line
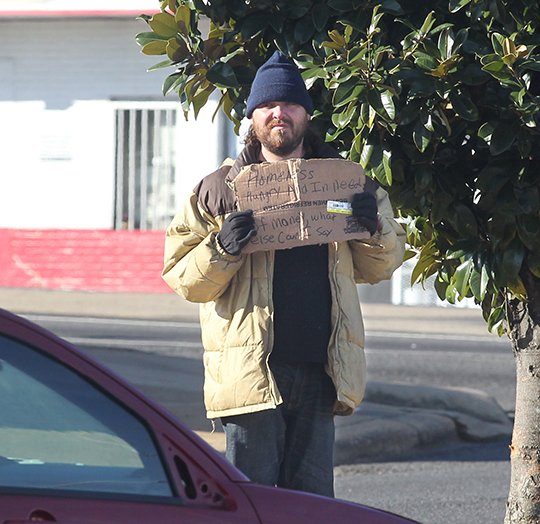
point(281, 142)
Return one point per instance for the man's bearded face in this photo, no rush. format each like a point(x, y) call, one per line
point(280, 126)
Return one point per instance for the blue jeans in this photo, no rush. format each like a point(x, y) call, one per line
point(290, 446)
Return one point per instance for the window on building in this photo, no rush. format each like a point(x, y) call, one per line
point(145, 167)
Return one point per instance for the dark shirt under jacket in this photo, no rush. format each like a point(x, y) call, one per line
point(302, 304)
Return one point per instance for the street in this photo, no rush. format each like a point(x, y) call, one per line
point(462, 484)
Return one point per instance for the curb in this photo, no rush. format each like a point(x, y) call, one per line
point(396, 420)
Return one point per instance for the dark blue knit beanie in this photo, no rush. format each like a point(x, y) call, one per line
point(278, 80)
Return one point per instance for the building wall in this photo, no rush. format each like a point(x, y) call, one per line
point(61, 81)
point(60, 61)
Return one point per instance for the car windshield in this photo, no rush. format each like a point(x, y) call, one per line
point(59, 431)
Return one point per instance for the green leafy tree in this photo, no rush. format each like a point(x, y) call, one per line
point(439, 101)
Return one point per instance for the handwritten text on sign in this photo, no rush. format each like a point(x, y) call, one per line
point(289, 200)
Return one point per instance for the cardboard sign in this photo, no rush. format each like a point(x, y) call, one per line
point(300, 202)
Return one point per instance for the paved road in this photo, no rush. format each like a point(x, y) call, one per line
point(475, 361)
point(466, 484)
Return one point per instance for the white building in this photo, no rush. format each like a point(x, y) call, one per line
point(87, 139)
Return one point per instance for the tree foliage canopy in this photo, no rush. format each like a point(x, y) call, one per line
point(439, 101)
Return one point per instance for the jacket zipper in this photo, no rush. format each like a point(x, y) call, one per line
point(270, 273)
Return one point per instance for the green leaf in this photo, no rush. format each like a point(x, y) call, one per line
point(296, 9)
point(386, 163)
point(374, 24)
point(455, 5)
point(382, 102)
point(423, 178)
point(348, 33)
point(485, 131)
point(343, 119)
point(145, 38)
point(200, 99)
point(222, 75)
point(422, 87)
point(163, 24)
point(462, 277)
point(375, 158)
point(177, 50)
point(426, 261)
point(428, 23)
point(497, 41)
point(441, 288)
point(446, 43)
point(529, 232)
point(472, 75)
point(496, 317)
point(502, 228)
point(440, 206)
point(533, 263)
point(392, 7)
point(504, 135)
point(343, 91)
point(493, 177)
point(409, 253)
point(171, 81)
point(161, 65)
point(277, 22)
point(463, 105)
point(421, 137)
point(156, 47)
point(254, 24)
point(425, 61)
point(314, 72)
point(337, 38)
point(320, 14)
point(388, 104)
point(498, 70)
point(464, 221)
point(527, 198)
point(531, 65)
point(304, 29)
point(182, 18)
point(366, 154)
point(510, 263)
point(341, 6)
point(474, 284)
point(484, 282)
point(410, 112)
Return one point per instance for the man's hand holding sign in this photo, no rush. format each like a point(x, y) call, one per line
point(301, 202)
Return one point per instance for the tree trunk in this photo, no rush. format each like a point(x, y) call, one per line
point(523, 504)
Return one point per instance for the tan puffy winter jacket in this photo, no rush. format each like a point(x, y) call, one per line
point(235, 293)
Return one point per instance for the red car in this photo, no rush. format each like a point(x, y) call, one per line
point(80, 445)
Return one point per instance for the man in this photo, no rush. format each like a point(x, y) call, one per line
point(282, 330)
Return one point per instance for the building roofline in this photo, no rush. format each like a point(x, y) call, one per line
point(71, 13)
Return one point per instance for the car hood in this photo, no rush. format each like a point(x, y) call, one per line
point(276, 506)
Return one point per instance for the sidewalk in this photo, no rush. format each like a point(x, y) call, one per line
point(393, 420)
point(168, 306)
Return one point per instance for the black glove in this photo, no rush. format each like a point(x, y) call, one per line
point(237, 230)
point(364, 209)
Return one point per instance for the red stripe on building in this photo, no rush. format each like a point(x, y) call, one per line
point(89, 260)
